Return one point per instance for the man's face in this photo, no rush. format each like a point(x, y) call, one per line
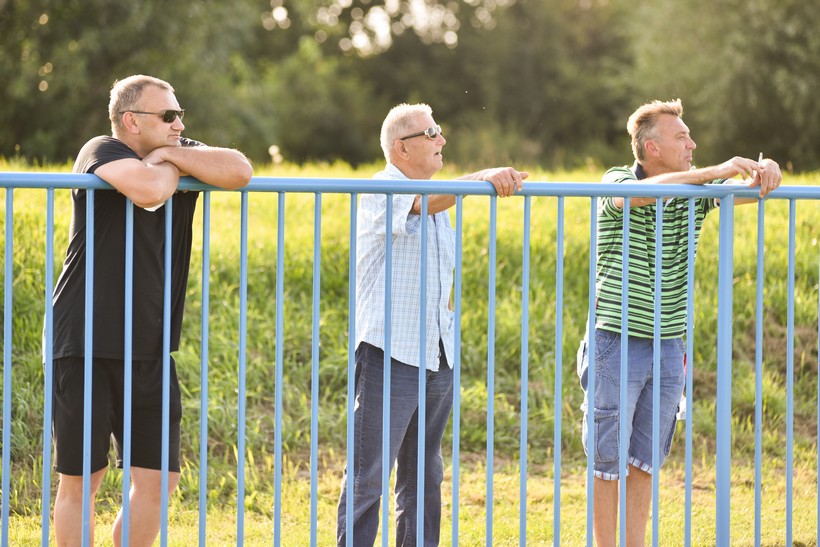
point(154, 132)
point(673, 145)
point(425, 153)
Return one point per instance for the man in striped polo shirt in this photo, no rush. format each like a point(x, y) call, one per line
point(663, 148)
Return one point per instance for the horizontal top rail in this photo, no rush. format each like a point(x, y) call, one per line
point(369, 185)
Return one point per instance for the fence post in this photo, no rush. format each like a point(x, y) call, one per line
point(724, 372)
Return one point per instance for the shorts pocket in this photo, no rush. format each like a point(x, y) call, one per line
point(606, 434)
point(667, 443)
point(605, 343)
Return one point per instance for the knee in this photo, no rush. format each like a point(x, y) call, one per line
point(149, 484)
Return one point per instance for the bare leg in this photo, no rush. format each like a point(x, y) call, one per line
point(144, 508)
point(68, 509)
point(606, 512)
point(638, 501)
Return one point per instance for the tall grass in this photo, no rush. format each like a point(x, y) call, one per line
point(28, 287)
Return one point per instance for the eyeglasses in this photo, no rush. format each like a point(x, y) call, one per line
point(431, 132)
point(168, 116)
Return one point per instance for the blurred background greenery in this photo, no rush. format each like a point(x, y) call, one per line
point(534, 82)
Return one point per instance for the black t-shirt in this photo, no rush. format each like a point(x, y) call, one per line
point(109, 266)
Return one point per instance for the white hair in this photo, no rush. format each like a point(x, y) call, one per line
point(398, 123)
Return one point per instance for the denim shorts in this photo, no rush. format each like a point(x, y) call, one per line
point(639, 399)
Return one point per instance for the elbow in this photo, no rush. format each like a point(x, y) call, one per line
point(242, 177)
point(150, 199)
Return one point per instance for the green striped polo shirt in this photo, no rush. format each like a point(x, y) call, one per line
point(642, 260)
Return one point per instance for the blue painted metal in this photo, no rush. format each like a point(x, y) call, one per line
point(280, 367)
point(8, 261)
point(491, 372)
point(48, 371)
point(422, 411)
point(351, 370)
point(87, 364)
point(166, 372)
point(790, 378)
point(623, 440)
point(591, 372)
point(758, 374)
point(558, 406)
point(128, 373)
point(203, 367)
point(690, 370)
point(656, 373)
point(386, 370)
point(727, 194)
point(724, 373)
point(457, 366)
point(314, 370)
point(525, 358)
point(242, 371)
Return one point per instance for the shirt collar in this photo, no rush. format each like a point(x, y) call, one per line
point(637, 170)
point(393, 170)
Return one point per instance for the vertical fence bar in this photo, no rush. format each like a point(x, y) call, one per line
point(351, 371)
point(593, 261)
point(87, 363)
point(525, 327)
point(241, 395)
point(7, 341)
point(818, 407)
point(491, 370)
point(690, 369)
point(656, 371)
point(387, 354)
point(790, 378)
point(203, 367)
point(558, 406)
point(724, 373)
point(277, 437)
point(759, 373)
point(457, 366)
point(623, 440)
point(314, 370)
point(48, 364)
point(422, 410)
point(128, 373)
point(166, 370)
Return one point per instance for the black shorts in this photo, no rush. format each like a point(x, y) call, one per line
point(107, 414)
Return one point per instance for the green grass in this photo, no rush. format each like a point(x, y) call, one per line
point(27, 430)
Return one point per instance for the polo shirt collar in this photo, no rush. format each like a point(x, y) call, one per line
point(637, 170)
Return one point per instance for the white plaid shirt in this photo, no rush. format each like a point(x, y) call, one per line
point(406, 267)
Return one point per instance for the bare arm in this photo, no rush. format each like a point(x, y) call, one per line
point(221, 167)
point(147, 185)
point(727, 169)
point(505, 180)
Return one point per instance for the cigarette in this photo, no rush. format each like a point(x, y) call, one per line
point(760, 157)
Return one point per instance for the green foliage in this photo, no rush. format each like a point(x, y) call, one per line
point(531, 82)
point(746, 71)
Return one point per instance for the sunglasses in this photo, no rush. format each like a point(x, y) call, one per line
point(431, 132)
point(168, 116)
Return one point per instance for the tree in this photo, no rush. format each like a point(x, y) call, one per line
point(747, 72)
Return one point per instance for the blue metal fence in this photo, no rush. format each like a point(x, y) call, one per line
point(282, 187)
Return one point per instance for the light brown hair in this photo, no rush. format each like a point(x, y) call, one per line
point(641, 124)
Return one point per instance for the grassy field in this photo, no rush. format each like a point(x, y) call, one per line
point(27, 429)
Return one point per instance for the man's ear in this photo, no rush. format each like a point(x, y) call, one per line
point(400, 149)
point(129, 123)
point(650, 148)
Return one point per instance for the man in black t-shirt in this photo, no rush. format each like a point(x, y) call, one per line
point(143, 161)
